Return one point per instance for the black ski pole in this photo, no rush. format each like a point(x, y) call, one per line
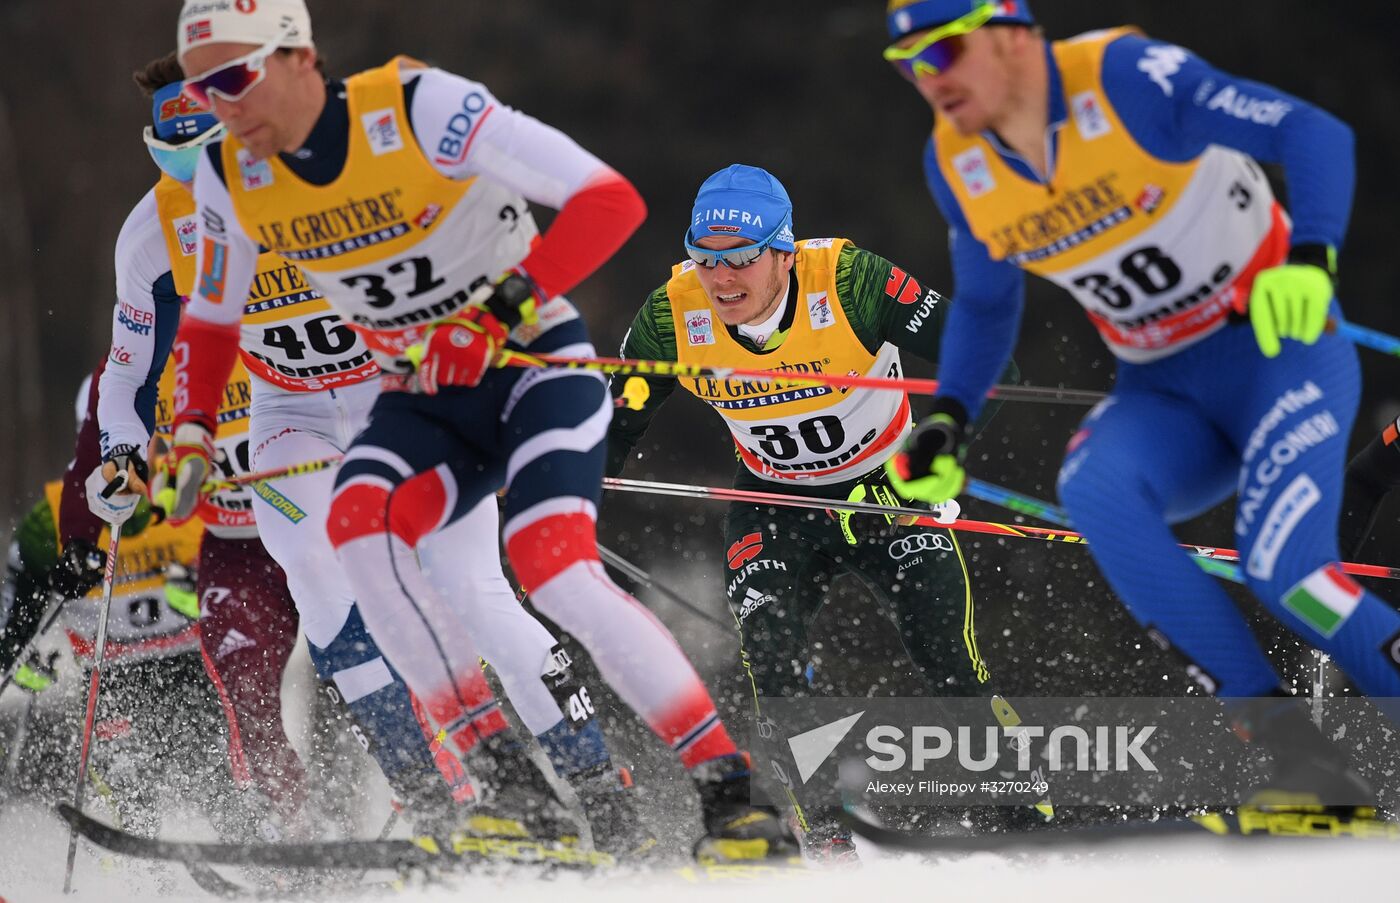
point(109, 580)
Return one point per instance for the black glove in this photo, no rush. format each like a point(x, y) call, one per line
point(943, 432)
point(78, 570)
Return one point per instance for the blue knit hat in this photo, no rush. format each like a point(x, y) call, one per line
point(744, 201)
point(906, 16)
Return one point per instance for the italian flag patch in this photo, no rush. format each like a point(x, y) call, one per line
point(1324, 600)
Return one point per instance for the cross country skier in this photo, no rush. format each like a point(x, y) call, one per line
point(752, 296)
point(1371, 476)
point(401, 193)
point(299, 413)
point(159, 725)
point(1123, 169)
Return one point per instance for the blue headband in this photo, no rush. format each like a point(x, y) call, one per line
point(923, 14)
point(743, 201)
point(176, 118)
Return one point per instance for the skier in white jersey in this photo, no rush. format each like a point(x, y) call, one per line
point(402, 194)
point(313, 381)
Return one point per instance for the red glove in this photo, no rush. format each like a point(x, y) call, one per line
point(460, 348)
point(190, 463)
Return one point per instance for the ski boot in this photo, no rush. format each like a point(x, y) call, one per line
point(736, 829)
point(517, 800)
point(1309, 771)
point(605, 793)
point(828, 842)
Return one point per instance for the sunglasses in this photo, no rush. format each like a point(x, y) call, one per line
point(734, 258)
point(179, 160)
point(940, 48)
point(233, 80)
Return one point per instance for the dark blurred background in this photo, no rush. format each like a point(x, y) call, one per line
point(668, 93)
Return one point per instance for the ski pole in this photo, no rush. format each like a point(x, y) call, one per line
point(641, 576)
point(793, 378)
point(276, 473)
point(109, 581)
point(1366, 337)
point(922, 518)
point(1033, 507)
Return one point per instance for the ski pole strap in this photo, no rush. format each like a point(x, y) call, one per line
point(677, 370)
point(923, 518)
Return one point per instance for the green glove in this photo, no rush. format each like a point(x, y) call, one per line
point(929, 468)
point(1291, 301)
point(36, 675)
point(180, 591)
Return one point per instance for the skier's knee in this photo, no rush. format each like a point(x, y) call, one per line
point(541, 548)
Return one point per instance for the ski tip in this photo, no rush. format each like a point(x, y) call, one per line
point(71, 815)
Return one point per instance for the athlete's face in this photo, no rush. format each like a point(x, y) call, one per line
point(748, 294)
point(278, 112)
point(976, 90)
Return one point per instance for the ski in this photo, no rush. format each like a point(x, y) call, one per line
point(1253, 823)
point(348, 854)
point(421, 856)
point(216, 885)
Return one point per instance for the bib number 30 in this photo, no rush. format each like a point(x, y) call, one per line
point(821, 435)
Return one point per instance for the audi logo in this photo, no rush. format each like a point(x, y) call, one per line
point(905, 546)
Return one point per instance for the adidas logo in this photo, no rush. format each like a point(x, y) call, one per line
point(753, 601)
point(232, 642)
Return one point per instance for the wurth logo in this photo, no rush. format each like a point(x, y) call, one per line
point(745, 550)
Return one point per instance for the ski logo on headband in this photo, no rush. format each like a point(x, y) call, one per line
point(178, 106)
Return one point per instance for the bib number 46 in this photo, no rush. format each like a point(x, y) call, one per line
point(325, 335)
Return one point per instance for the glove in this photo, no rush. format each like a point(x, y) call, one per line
point(159, 454)
point(105, 499)
point(180, 590)
point(78, 570)
point(458, 350)
point(1291, 301)
point(37, 674)
point(125, 466)
point(929, 468)
point(189, 464)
